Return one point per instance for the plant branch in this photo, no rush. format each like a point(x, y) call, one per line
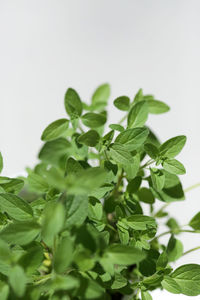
point(122, 119)
point(191, 250)
point(148, 163)
point(192, 187)
point(180, 231)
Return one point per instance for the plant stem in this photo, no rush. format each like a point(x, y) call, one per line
point(137, 295)
point(81, 129)
point(180, 231)
point(43, 278)
point(162, 208)
point(106, 154)
point(122, 120)
point(111, 227)
point(115, 191)
point(192, 187)
point(149, 162)
point(191, 250)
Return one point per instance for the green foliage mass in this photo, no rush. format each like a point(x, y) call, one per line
point(75, 227)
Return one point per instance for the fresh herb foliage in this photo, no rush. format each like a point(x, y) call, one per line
point(74, 228)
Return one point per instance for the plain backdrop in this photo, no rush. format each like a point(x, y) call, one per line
point(47, 46)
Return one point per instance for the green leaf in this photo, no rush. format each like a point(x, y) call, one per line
point(134, 185)
point(138, 114)
point(15, 207)
point(107, 139)
point(120, 155)
point(141, 222)
point(173, 225)
point(162, 261)
point(76, 210)
point(1, 162)
point(20, 233)
point(63, 255)
point(5, 253)
point(11, 185)
point(53, 151)
point(124, 255)
point(151, 150)
point(132, 138)
point(4, 290)
point(119, 282)
point(32, 258)
point(174, 166)
point(54, 217)
point(55, 130)
point(195, 222)
point(145, 195)
point(95, 209)
point(101, 94)
point(146, 296)
point(116, 127)
point(90, 138)
point(87, 181)
point(139, 96)
point(172, 147)
point(17, 279)
point(132, 169)
point(59, 283)
point(170, 285)
point(188, 278)
point(158, 178)
point(73, 166)
point(37, 183)
point(172, 190)
point(73, 103)
point(93, 120)
point(174, 249)
point(122, 103)
point(157, 107)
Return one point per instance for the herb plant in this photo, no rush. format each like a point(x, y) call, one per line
point(74, 228)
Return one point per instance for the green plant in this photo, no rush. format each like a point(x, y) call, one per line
point(75, 228)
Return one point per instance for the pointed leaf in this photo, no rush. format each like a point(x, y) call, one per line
point(73, 103)
point(132, 138)
point(172, 147)
point(138, 114)
point(55, 130)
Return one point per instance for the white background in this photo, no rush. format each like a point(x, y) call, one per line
point(47, 46)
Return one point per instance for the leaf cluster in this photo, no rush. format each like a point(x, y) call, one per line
point(75, 228)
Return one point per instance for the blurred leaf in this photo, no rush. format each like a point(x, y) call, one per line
point(124, 255)
point(90, 138)
point(53, 221)
point(122, 103)
point(93, 120)
point(157, 107)
point(55, 130)
point(101, 94)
